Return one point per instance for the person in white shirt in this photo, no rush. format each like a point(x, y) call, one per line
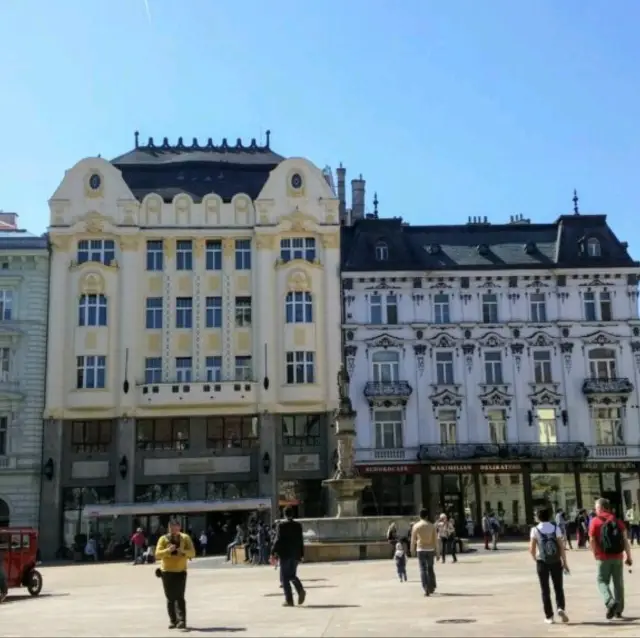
point(546, 547)
point(204, 539)
point(634, 524)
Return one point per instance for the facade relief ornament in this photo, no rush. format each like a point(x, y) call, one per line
point(228, 246)
point(635, 349)
point(129, 242)
point(198, 247)
point(540, 339)
point(61, 243)
point(385, 341)
point(467, 350)
point(516, 350)
point(169, 248)
point(420, 351)
point(566, 348)
point(545, 396)
point(442, 340)
point(600, 338)
point(265, 242)
point(350, 354)
point(491, 340)
point(331, 240)
point(446, 398)
point(298, 281)
point(495, 396)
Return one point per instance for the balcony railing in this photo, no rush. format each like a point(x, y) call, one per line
point(387, 390)
point(614, 452)
point(503, 451)
point(368, 455)
point(620, 385)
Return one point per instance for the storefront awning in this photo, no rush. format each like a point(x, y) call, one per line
point(177, 507)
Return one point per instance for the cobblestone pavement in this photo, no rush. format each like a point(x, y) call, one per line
point(485, 593)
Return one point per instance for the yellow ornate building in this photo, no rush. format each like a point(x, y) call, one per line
point(194, 337)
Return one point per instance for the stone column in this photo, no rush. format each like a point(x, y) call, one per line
point(125, 487)
point(417, 492)
point(268, 483)
point(51, 493)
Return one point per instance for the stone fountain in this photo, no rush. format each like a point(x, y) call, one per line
point(347, 536)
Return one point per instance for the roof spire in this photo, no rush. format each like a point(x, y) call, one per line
point(375, 205)
point(268, 136)
point(576, 210)
point(136, 135)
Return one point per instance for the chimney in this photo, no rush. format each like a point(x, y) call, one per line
point(357, 198)
point(8, 221)
point(342, 206)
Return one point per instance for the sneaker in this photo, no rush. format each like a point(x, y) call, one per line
point(302, 597)
point(172, 625)
point(611, 610)
point(549, 621)
point(182, 625)
point(287, 604)
point(3, 596)
point(563, 615)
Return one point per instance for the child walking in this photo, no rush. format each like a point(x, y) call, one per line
point(401, 562)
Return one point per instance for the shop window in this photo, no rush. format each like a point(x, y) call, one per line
point(515, 512)
point(514, 479)
point(91, 436)
point(497, 479)
point(233, 432)
point(75, 524)
point(390, 495)
point(163, 434)
point(301, 430)
point(219, 491)
point(162, 493)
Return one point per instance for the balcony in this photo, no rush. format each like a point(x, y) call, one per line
point(503, 452)
point(387, 393)
point(224, 394)
point(617, 452)
point(592, 386)
point(370, 455)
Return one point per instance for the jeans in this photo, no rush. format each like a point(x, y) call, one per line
point(634, 533)
point(174, 585)
point(448, 545)
point(554, 571)
point(611, 569)
point(230, 547)
point(138, 550)
point(289, 576)
point(426, 559)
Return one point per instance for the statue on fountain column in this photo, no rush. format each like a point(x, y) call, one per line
point(345, 430)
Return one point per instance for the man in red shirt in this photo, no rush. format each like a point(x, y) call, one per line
point(609, 544)
point(138, 541)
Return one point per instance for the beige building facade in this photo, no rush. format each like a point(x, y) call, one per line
point(194, 338)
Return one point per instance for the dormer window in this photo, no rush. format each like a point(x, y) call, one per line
point(382, 251)
point(530, 248)
point(483, 249)
point(593, 247)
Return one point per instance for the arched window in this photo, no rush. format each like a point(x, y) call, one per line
point(92, 310)
point(386, 366)
point(593, 247)
point(382, 251)
point(602, 363)
point(5, 514)
point(299, 307)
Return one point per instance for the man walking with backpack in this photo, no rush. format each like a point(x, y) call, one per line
point(546, 546)
point(609, 544)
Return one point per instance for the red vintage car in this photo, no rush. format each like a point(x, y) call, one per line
point(18, 549)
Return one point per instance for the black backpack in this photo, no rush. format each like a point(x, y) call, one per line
point(611, 538)
point(548, 547)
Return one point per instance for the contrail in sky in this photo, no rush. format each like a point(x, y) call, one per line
point(147, 8)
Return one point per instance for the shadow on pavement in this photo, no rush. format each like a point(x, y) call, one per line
point(212, 630)
point(274, 594)
point(462, 595)
point(608, 623)
point(336, 606)
point(17, 599)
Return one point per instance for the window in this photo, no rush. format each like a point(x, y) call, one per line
point(382, 252)
point(91, 436)
point(301, 430)
point(92, 310)
point(184, 312)
point(232, 432)
point(602, 363)
point(162, 434)
point(91, 372)
point(386, 366)
point(213, 255)
point(153, 317)
point(4, 436)
point(489, 308)
point(214, 368)
point(447, 421)
point(184, 254)
point(161, 493)
point(298, 248)
point(183, 369)
point(155, 255)
point(243, 254)
point(497, 426)
point(243, 312)
point(213, 317)
point(6, 305)
point(5, 364)
point(444, 368)
point(388, 426)
point(102, 251)
point(219, 491)
point(547, 426)
point(153, 370)
point(300, 367)
point(299, 307)
point(493, 367)
point(593, 247)
point(609, 426)
point(441, 308)
point(538, 307)
point(597, 307)
point(384, 309)
point(244, 369)
point(542, 366)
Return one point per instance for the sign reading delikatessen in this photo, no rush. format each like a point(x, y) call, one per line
point(402, 468)
point(301, 462)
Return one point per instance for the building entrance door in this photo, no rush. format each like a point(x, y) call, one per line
point(452, 497)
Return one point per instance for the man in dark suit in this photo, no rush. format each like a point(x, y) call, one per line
point(288, 547)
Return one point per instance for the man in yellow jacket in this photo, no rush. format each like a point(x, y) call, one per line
point(173, 551)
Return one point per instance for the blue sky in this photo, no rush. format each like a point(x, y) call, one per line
point(448, 108)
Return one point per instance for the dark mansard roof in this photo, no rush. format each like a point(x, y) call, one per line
point(482, 246)
point(198, 170)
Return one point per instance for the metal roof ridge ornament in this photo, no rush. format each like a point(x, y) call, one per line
point(224, 146)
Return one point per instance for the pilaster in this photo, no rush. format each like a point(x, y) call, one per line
point(228, 308)
point(269, 444)
point(51, 489)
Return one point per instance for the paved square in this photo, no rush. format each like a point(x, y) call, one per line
point(486, 593)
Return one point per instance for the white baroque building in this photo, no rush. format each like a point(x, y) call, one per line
point(493, 367)
point(194, 339)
